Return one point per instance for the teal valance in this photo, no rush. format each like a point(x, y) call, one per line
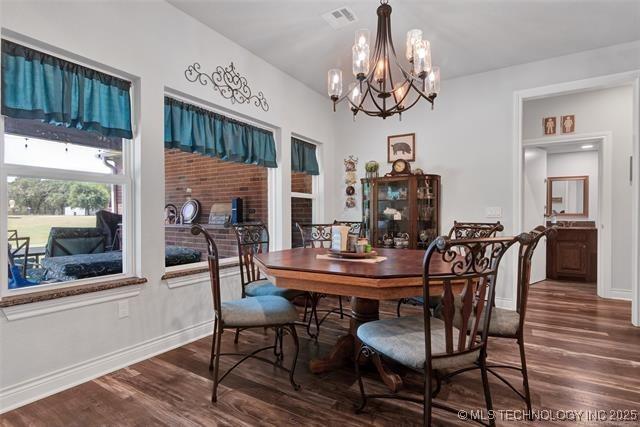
point(303, 157)
point(36, 85)
point(196, 130)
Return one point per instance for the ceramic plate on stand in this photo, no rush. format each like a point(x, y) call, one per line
point(190, 211)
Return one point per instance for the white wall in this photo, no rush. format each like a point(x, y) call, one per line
point(153, 43)
point(607, 110)
point(581, 163)
point(468, 138)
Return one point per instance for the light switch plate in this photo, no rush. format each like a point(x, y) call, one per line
point(123, 309)
point(493, 212)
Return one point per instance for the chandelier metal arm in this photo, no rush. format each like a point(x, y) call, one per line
point(378, 84)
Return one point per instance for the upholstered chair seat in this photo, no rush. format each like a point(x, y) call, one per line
point(264, 287)
point(504, 323)
point(258, 311)
point(402, 339)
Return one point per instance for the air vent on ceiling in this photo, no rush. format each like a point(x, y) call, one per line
point(340, 17)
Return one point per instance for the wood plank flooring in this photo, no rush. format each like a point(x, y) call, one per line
point(583, 354)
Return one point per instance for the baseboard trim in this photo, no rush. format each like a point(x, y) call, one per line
point(506, 303)
point(28, 391)
point(624, 294)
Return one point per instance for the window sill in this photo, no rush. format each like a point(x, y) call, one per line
point(192, 276)
point(196, 270)
point(39, 303)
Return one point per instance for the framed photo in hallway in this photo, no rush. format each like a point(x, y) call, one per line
point(401, 147)
point(549, 125)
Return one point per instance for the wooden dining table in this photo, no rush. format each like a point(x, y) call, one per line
point(398, 276)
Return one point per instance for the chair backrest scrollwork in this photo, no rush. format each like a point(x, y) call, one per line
point(474, 230)
point(253, 239)
point(471, 265)
point(315, 235)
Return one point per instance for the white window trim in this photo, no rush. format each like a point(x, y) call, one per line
point(124, 180)
point(271, 172)
point(34, 309)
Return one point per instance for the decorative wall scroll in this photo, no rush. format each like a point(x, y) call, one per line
point(229, 83)
point(350, 179)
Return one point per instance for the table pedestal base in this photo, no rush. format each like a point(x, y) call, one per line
point(347, 347)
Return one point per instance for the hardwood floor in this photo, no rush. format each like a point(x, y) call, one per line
point(582, 352)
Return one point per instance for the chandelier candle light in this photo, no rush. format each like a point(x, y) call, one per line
point(379, 89)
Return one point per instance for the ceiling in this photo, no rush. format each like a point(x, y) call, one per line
point(467, 36)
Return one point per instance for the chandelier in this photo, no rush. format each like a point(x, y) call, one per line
point(383, 87)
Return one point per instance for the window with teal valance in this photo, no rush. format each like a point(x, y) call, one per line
point(303, 157)
point(196, 130)
point(36, 85)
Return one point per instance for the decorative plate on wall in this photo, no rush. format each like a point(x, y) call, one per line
point(190, 211)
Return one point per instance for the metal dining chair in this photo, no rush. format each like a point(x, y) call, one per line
point(318, 236)
point(460, 230)
point(253, 239)
point(509, 324)
point(429, 345)
point(267, 311)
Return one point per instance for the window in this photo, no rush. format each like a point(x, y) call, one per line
point(65, 173)
point(68, 195)
point(209, 173)
point(304, 170)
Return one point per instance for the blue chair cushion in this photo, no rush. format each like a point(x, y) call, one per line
point(258, 311)
point(402, 339)
point(263, 287)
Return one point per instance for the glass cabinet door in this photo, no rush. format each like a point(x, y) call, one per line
point(366, 209)
point(427, 196)
point(393, 214)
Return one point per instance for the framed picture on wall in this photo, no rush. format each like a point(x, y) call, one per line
point(549, 125)
point(568, 124)
point(401, 147)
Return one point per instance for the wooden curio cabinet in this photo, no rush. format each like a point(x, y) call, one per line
point(395, 208)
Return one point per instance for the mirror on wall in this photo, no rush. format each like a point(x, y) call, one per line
point(568, 195)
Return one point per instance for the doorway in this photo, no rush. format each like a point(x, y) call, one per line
point(563, 186)
point(620, 278)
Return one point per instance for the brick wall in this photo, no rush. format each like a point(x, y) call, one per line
point(301, 182)
point(212, 180)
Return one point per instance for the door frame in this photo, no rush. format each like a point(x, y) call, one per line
point(603, 82)
point(603, 140)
